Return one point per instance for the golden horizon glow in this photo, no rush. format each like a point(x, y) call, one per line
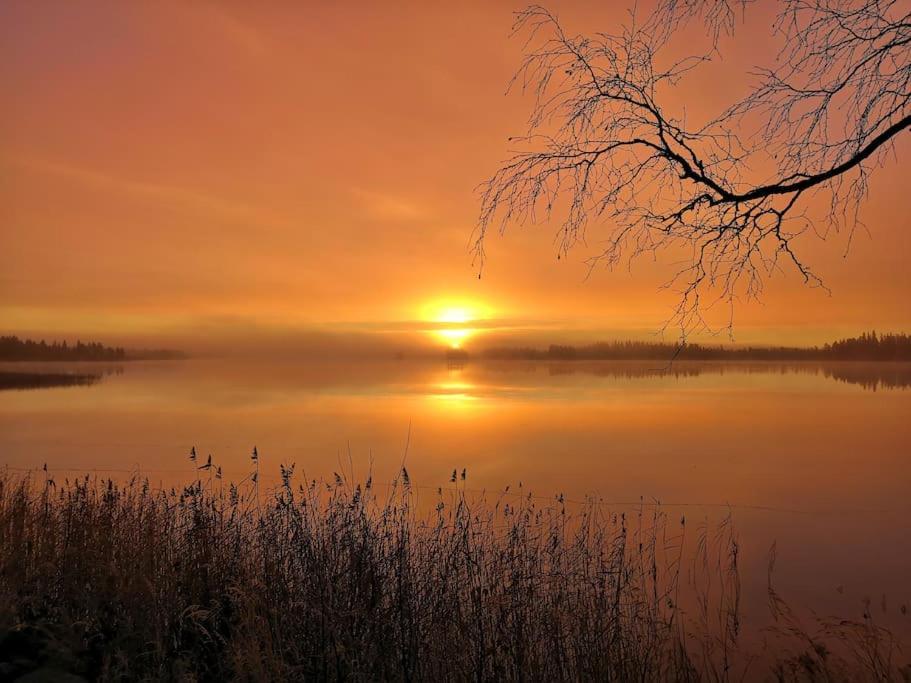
point(452, 320)
point(455, 337)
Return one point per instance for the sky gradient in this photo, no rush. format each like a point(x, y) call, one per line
point(214, 174)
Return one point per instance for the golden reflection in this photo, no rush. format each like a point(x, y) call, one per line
point(453, 394)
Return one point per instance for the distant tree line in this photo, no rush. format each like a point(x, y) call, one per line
point(13, 348)
point(868, 346)
point(872, 347)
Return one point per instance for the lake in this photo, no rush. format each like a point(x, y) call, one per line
point(812, 457)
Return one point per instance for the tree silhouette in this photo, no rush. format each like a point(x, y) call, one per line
point(603, 146)
point(14, 349)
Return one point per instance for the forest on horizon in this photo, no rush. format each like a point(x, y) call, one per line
point(866, 347)
point(869, 346)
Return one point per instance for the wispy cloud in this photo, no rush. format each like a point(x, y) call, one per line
point(165, 194)
point(387, 206)
point(240, 33)
point(488, 324)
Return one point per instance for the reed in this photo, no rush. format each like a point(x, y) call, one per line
point(340, 580)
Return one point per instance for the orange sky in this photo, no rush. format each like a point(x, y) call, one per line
point(194, 173)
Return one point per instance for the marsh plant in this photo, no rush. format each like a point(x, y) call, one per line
point(345, 580)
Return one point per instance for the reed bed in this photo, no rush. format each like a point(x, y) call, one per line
point(339, 580)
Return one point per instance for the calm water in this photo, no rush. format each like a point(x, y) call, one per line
point(815, 458)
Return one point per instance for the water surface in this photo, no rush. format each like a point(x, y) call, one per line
point(812, 457)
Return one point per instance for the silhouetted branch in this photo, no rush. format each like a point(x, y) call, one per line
point(602, 146)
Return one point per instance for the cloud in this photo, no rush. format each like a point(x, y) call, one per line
point(251, 40)
point(486, 324)
point(388, 207)
point(171, 195)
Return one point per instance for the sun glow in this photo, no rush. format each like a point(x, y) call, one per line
point(455, 337)
point(452, 322)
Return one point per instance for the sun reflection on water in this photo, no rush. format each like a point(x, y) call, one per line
point(453, 394)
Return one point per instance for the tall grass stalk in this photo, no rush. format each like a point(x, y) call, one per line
point(342, 580)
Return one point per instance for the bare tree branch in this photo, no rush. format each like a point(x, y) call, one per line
point(602, 146)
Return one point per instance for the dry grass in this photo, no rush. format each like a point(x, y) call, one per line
point(346, 581)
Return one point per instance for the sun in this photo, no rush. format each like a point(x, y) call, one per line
point(455, 337)
point(454, 315)
point(453, 323)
